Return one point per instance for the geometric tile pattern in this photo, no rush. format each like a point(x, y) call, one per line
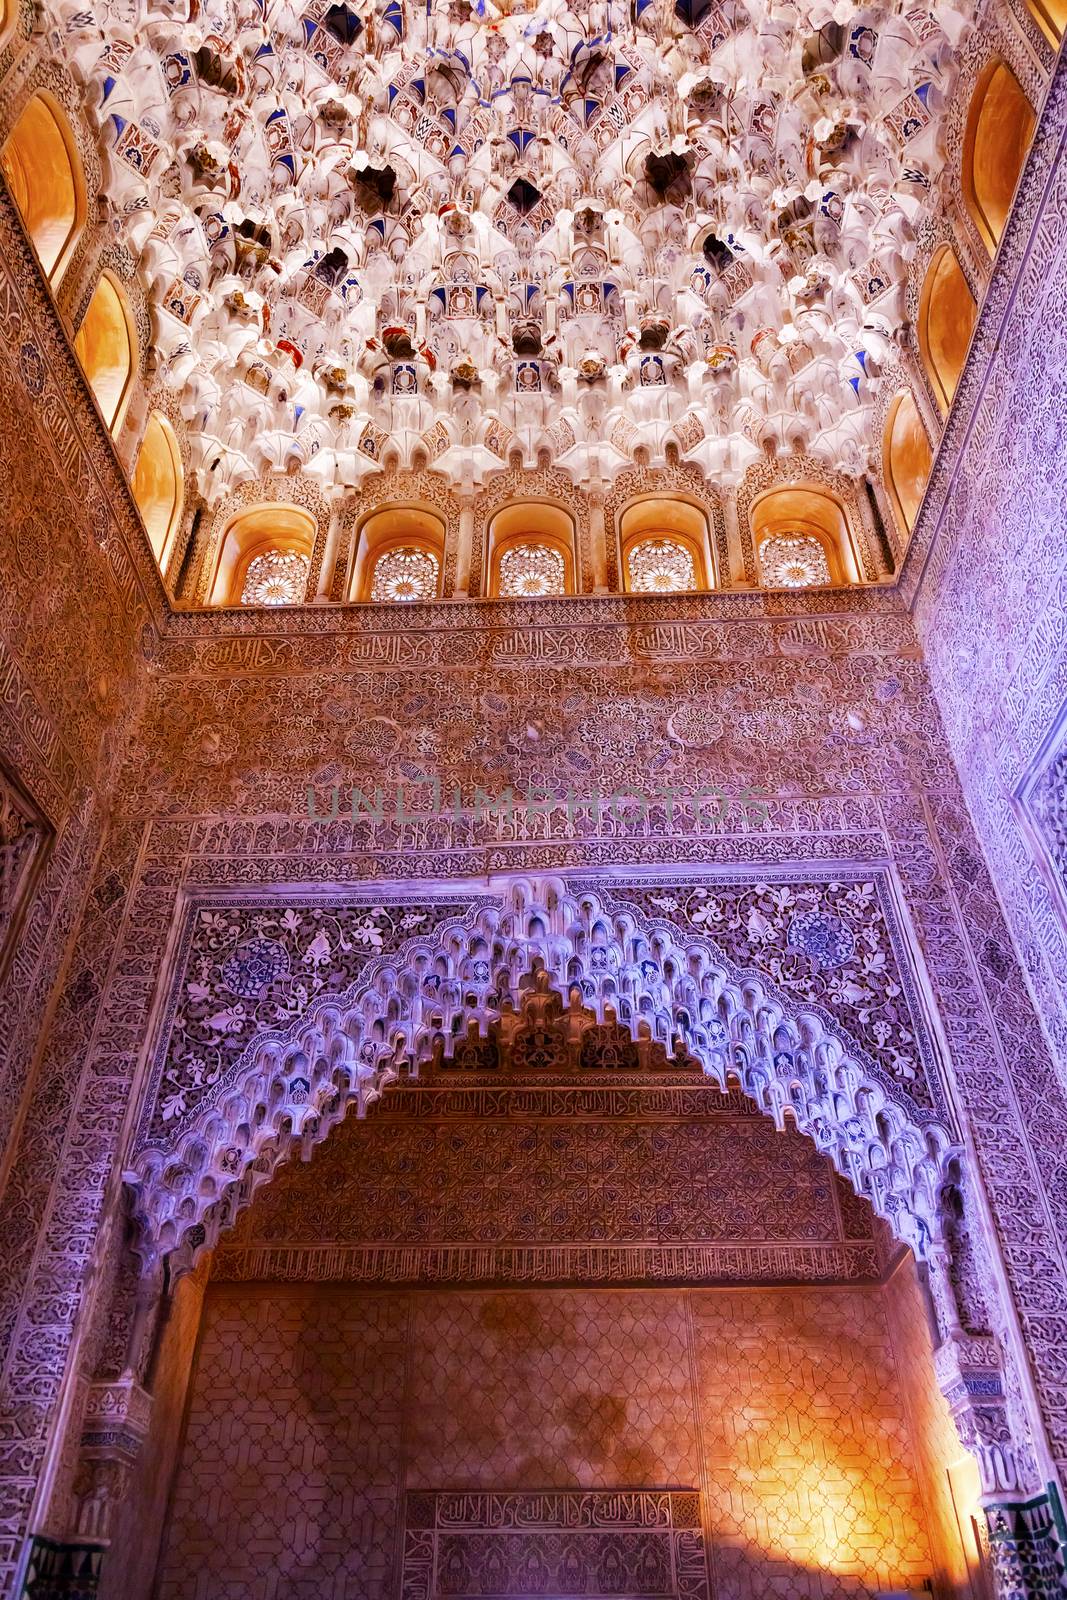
point(811, 1485)
point(315, 1411)
point(291, 1452)
point(569, 1389)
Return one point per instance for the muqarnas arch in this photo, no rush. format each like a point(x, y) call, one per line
point(282, 1012)
point(282, 1015)
point(378, 983)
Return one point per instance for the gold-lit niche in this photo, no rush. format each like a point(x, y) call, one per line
point(1000, 125)
point(1051, 18)
point(399, 556)
point(531, 551)
point(106, 347)
point(906, 458)
point(665, 547)
point(947, 312)
point(158, 486)
point(43, 172)
point(802, 539)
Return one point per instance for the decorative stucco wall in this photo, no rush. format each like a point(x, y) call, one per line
point(990, 573)
point(658, 1178)
point(73, 609)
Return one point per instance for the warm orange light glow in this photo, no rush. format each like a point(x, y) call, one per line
point(106, 347)
point(666, 517)
point(535, 523)
point(1000, 126)
point(907, 459)
point(947, 312)
point(41, 166)
point(398, 527)
point(158, 483)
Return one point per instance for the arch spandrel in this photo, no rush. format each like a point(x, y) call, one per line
point(339, 993)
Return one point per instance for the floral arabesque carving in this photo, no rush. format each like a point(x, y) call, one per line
point(793, 561)
point(661, 566)
point(247, 970)
point(275, 578)
point(531, 570)
point(828, 945)
point(290, 1085)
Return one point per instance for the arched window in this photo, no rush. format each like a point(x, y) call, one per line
point(906, 459)
point(531, 551)
point(1000, 125)
point(1051, 18)
point(802, 539)
point(947, 311)
point(399, 556)
point(264, 557)
point(665, 546)
point(158, 484)
point(41, 165)
point(106, 346)
point(793, 560)
point(275, 578)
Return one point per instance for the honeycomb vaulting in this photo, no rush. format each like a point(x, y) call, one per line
point(374, 230)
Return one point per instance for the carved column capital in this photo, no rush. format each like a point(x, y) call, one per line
point(1026, 1552)
point(116, 1423)
point(969, 1373)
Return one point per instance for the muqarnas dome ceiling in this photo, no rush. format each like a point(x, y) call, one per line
point(373, 232)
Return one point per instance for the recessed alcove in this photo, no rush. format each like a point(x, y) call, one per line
point(906, 459)
point(802, 538)
point(563, 1264)
point(947, 311)
point(531, 551)
point(399, 555)
point(665, 546)
point(158, 485)
point(43, 171)
point(1000, 125)
point(106, 346)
